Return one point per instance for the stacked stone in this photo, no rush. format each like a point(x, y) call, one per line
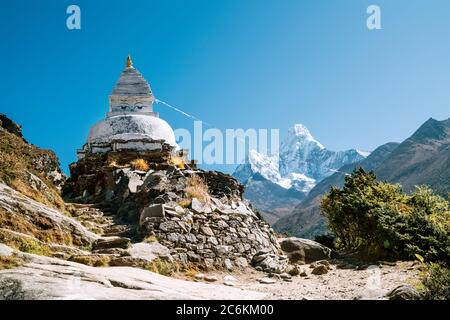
point(216, 234)
point(221, 230)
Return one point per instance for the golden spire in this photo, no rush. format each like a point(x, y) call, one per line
point(129, 62)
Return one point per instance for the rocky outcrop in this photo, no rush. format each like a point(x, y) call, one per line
point(23, 166)
point(21, 214)
point(48, 278)
point(10, 126)
point(404, 292)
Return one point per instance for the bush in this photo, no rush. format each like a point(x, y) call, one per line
point(328, 240)
point(377, 220)
point(436, 282)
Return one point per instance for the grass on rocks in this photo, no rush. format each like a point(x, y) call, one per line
point(139, 164)
point(18, 160)
point(40, 227)
point(25, 244)
point(10, 262)
point(92, 260)
point(196, 187)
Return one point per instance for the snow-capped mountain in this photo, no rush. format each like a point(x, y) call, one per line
point(302, 162)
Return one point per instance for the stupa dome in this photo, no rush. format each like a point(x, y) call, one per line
point(131, 127)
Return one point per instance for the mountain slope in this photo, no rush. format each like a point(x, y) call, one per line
point(423, 158)
point(306, 218)
point(276, 184)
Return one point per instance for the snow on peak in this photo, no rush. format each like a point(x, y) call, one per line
point(301, 132)
point(362, 153)
point(301, 164)
point(267, 166)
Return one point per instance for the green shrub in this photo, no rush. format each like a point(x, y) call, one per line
point(377, 220)
point(436, 282)
point(328, 240)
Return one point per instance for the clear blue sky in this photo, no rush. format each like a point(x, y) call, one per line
point(232, 63)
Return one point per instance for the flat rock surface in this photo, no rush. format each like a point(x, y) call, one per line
point(49, 278)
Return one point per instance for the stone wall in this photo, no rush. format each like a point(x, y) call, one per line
point(219, 229)
point(214, 234)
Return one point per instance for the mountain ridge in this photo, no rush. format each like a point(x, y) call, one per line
point(423, 158)
point(275, 184)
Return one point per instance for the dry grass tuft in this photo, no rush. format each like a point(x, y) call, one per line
point(10, 262)
point(197, 188)
point(163, 267)
point(40, 227)
point(150, 239)
point(92, 260)
point(177, 162)
point(185, 203)
point(139, 164)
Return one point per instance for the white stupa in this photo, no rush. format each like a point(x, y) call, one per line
point(130, 123)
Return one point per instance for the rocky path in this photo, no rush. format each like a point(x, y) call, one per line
point(372, 282)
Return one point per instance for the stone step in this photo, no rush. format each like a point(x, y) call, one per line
point(111, 242)
point(116, 230)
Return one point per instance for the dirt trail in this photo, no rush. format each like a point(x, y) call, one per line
point(371, 283)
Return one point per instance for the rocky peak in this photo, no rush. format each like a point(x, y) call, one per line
point(432, 129)
point(301, 163)
point(301, 135)
point(10, 126)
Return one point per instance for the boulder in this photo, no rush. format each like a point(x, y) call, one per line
point(320, 269)
point(149, 251)
point(241, 263)
point(269, 262)
point(404, 292)
point(127, 262)
point(294, 270)
point(310, 250)
point(211, 278)
point(42, 218)
point(152, 211)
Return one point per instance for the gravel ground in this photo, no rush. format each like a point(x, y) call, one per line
point(372, 282)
